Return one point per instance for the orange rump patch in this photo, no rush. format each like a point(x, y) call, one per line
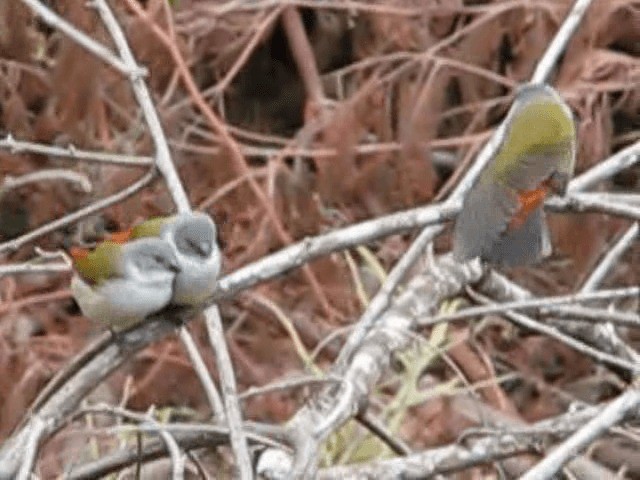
point(78, 253)
point(529, 200)
point(122, 236)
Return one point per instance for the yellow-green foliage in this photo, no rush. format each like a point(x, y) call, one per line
point(352, 444)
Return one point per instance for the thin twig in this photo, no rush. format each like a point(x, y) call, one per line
point(162, 155)
point(256, 38)
point(625, 158)
point(203, 374)
point(70, 151)
point(228, 382)
point(53, 174)
point(82, 39)
point(78, 215)
point(176, 189)
point(612, 256)
point(288, 384)
point(552, 332)
point(592, 315)
point(380, 430)
point(30, 268)
point(176, 456)
point(626, 404)
point(382, 298)
point(229, 142)
point(536, 303)
point(303, 55)
point(559, 43)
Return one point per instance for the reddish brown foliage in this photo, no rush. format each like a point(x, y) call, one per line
point(52, 91)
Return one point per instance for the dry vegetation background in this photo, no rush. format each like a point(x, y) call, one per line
point(409, 91)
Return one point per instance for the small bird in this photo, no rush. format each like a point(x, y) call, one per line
point(192, 236)
point(502, 220)
point(119, 285)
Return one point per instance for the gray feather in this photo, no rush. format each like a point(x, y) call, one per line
point(525, 245)
point(485, 215)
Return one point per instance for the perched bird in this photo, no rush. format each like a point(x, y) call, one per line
point(192, 237)
point(118, 285)
point(502, 220)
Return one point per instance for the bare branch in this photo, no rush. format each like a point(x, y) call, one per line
point(203, 374)
point(140, 91)
point(502, 289)
point(504, 442)
point(593, 202)
point(623, 406)
point(47, 175)
point(559, 43)
point(176, 189)
point(625, 158)
point(555, 333)
point(612, 256)
point(545, 303)
point(188, 436)
point(83, 39)
point(123, 194)
point(228, 382)
point(382, 298)
point(314, 247)
point(19, 146)
point(423, 294)
point(31, 268)
point(31, 448)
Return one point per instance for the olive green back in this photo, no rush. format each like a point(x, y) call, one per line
point(101, 263)
point(150, 228)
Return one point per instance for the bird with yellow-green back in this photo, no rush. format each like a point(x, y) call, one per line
point(502, 219)
point(119, 285)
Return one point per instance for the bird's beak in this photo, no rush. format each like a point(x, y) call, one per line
point(174, 267)
point(558, 182)
point(204, 248)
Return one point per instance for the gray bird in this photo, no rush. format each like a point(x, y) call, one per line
point(192, 237)
point(502, 220)
point(119, 285)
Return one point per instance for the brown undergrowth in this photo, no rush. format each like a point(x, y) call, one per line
point(409, 91)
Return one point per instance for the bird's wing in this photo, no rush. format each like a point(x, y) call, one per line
point(100, 264)
point(535, 167)
point(486, 212)
point(524, 245)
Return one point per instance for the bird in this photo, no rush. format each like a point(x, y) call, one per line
point(119, 285)
point(502, 219)
point(192, 237)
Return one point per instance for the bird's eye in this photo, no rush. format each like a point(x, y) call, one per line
point(192, 246)
point(201, 248)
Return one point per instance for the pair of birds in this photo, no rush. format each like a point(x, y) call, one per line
point(166, 260)
point(176, 259)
